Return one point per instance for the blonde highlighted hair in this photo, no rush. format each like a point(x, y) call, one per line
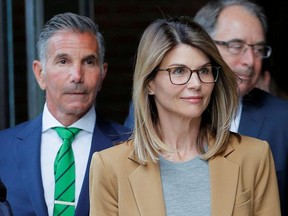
point(160, 37)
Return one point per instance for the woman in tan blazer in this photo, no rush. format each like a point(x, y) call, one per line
point(182, 159)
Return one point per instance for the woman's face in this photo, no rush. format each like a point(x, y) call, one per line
point(187, 101)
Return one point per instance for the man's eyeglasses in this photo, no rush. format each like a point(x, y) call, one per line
point(181, 75)
point(237, 47)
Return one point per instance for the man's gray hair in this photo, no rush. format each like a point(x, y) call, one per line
point(207, 16)
point(71, 22)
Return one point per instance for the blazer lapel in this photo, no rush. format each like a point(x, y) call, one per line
point(146, 185)
point(27, 152)
point(224, 179)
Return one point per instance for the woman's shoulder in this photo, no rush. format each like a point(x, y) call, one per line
point(121, 149)
point(244, 141)
point(117, 159)
point(248, 147)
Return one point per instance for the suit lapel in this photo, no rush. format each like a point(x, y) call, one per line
point(146, 185)
point(224, 179)
point(252, 120)
point(27, 152)
point(99, 142)
point(104, 136)
point(250, 123)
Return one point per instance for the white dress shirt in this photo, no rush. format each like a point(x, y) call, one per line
point(236, 121)
point(50, 144)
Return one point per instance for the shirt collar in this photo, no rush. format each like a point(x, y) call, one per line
point(87, 122)
point(236, 121)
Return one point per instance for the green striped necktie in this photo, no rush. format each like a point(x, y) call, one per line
point(64, 171)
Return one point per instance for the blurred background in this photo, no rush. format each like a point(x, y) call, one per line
point(122, 23)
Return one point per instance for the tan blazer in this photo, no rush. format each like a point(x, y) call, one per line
point(243, 182)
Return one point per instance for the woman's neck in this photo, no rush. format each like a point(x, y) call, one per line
point(181, 137)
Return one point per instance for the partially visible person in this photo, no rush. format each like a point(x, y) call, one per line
point(239, 27)
point(5, 208)
point(267, 83)
point(265, 80)
point(70, 70)
point(129, 120)
point(182, 159)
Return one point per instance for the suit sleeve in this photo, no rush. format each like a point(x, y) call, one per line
point(266, 199)
point(103, 197)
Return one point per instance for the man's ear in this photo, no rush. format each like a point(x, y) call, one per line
point(39, 74)
point(104, 72)
point(105, 67)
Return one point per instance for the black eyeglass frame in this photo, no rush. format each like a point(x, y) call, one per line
point(192, 71)
point(227, 44)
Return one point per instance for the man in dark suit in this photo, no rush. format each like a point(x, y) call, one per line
point(238, 28)
point(71, 70)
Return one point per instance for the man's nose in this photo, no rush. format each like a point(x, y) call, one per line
point(76, 74)
point(248, 56)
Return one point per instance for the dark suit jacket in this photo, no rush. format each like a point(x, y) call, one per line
point(20, 164)
point(266, 117)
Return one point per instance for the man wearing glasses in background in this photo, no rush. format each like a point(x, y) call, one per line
point(238, 28)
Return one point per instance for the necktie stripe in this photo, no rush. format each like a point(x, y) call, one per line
point(63, 173)
point(64, 170)
point(65, 209)
point(74, 134)
point(65, 190)
point(64, 154)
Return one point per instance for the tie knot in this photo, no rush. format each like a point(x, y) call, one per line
point(67, 133)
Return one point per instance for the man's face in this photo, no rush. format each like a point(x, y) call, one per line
point(236, 23)
point(72, 75)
